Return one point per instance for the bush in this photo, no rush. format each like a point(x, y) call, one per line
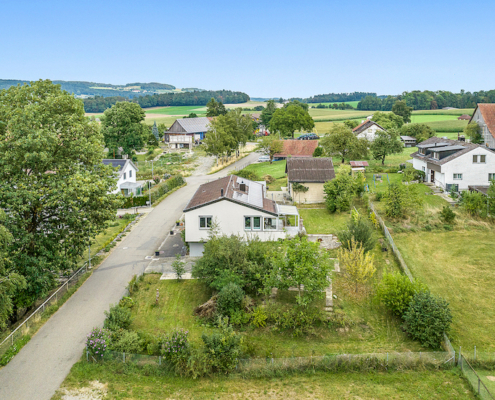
point(361, 230)
point(244, 173)
point(129, 342)
point(447, 215)
point(259, 317)
point(412, 174)
point(474, 203)
point(126, 302)
point(230, 299)
point(97, 342)
point(223, 348)
point(300, 320)
point(117, 318)
point(318, 152)
point(179, 267)
point(427, 318)
point(176, 346)
point(396, 291)
point(339, 192)
point(269, 179)
point(357, 266)
point(239, 317)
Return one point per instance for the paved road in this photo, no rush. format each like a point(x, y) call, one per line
point(42, 365)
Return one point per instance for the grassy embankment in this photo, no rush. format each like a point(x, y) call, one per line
point(276, 170)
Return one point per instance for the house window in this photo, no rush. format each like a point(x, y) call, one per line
point(124, 175)
point(458, 177)
point(256, 223)
point(252, 223)
point(270, 224)
point(424, 169)
point(204, 222)
point(482, 158)
point(130, 173)
point(491, 177)
point(247, 223)
point(479, 159)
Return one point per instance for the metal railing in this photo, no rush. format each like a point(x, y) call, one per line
point(473, 378)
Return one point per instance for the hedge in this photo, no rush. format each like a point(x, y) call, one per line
point(157, 191)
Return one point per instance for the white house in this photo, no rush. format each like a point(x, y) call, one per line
point(367, 130)
point(450, 162)
point(484, 116)
point(126, 172)
point(237, 206)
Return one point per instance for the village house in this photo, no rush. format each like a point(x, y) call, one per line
point(296, 148)
point(367, 130)
point(451, 163)
point(310, 174)
point(126, 172)
point(408, 141)
point(186, 132)
point(484, 116)
point(236, 206)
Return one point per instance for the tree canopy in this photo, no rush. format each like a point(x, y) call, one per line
point(400, 108)
point(419, 131)
point(386, 143)
point(388, 120)
point(473, 131)
point(271, 146)
point(287, 120)
point(215, 108)
point(267, 113)
point(341, 141)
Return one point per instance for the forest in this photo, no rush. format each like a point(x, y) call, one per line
point(335, 97)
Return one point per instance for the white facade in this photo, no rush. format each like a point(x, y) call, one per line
point(126, 175)
point(369, 133)
point(488, 139)
point(230, 218)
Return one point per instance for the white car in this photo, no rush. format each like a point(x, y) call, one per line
point(264, 158)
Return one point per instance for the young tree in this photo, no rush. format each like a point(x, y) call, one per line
point(400, 108)
point(388, 120)
point(473, 131)
point(271, 146)
point(287, 120)
point(162, 128)
point(386, 143)
point(267, 113)
point(53, 184)
point(340, 190)
point(341, 141)
point(179, 267)
point(399, 199)
point(122, 126)
point(154, 131)
point(357, 265)
point(215, 108)
point(302, 263)
point(351, 123)
point(360, 231)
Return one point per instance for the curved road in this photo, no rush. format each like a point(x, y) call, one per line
point(42, 365)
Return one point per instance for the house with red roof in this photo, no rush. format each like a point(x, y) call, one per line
point(296, 148)
point(367, 130)
point(484, 116)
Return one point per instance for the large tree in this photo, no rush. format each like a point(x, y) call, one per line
point(342, 142)
point(388, 120)
point(400, 108)
point(473, 131)
point(215, 108)
point(386, 143)
point(271, 146)
point(267, 113)
point(123, 126)
point(287, 120)
point(419, 131)
point(53, 185)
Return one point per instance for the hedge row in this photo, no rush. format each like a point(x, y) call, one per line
point(156, 192)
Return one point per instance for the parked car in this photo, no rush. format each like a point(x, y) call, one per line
point(308, 136)
point(263, 158)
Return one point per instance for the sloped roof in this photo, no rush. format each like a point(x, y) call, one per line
point(487, 111)
point(464, 116)
point(298, 148)
point(365, 125)
point(404, 138)
point(359, 163)
point(190, 125)
point(253, 196)
point(120, 164)
point(310, 169)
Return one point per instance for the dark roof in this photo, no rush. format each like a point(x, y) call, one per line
point(429, 144)
point(298, 148)
point(464, 116)
point(190, 125)
point(365, 125)
point(120, 164)
point(253, 196)
point(488, 113)
point(359, 164)
point(309, 169)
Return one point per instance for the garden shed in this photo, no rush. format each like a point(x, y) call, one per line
point(306, 177)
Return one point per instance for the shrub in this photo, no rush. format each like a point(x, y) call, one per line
point(447, 215)
point(473, 202)
point(318, 152)
point(244, 173)
point(259, 317)
point(269, 179)
point(412, 174)
point(396, 291)
point(176, 346)
point(129, 342)
point(300, 320)
point(230, 299)
point(117, 318)
point(357, 266)
point(179, 267)
point(379, 196)
point(427, 318)
point(339, 192)
point(126, 302)
point(97, 342)
point(239, 317)
point(223, 348)
point(361, 231)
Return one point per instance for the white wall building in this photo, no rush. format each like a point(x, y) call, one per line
point(236, 206)
point(367, 130)
point(126, 173)
point(484, 116)
point(450, 162)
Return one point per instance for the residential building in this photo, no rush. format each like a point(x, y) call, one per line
point(296, 148)
point(236, 206)
point(464, 117)
point(448, 163)
point(311, 173)
point(126, 173)
point(186, 132)
point(484, 116)
point(367, 130)
point(408, 141)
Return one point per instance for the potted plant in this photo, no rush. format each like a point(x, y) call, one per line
point(177, 223)
point(157, 252)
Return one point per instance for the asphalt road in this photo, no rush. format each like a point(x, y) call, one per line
point(42, 365)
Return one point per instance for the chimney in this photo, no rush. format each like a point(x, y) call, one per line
point(221, 192)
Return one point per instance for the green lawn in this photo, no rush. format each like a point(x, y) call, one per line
point(321, 221)
point(460, 111)
point(447, 126)
point(448, 135)
point(134, 383)
point(177, 110)
point(276, 170)
point(422, 118)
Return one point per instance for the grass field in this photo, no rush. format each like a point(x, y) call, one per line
point(337, 115)
point(351, 103)
point(457, 112)
point(132, 383)
point(447, 126)
point(321, 221)
point(276, 170)
point(423, 118)
point(178, 110)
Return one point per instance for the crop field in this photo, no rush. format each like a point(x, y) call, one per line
point(457, 112)
point(178, 110)
point(422, 118)
point(337, 115)
point(116, 382)
point(447, 126)
point(351, 103)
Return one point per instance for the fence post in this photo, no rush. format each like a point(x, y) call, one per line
point(123, 357)
point(159, 360)
point(479, 386)
point(87, 355)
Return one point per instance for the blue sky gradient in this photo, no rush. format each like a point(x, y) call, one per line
point(263, 48)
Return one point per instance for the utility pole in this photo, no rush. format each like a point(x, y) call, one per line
point(89, 250)
point(149, 187)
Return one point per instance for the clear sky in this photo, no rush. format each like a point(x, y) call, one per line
point(264, 48)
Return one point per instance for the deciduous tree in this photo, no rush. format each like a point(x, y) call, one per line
point(342, 142)
point(357, 265)
point(267, 113)
point(419, 131)
point(386, 143)
point(388, 120)
point(271, 146)
point(215, 108)
point(400, 108)
point(287, 120)
point(473, 131)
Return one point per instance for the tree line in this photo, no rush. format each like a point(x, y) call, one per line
point(335, 97)
point(428, 100)
point(170, 99)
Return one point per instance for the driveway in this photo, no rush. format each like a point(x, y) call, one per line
point(42, 365)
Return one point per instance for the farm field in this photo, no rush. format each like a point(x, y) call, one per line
point(178, 110)
point(132, 383)
point(457, 112)
point(337, 115)
point(351, 103)
point(422, 118)
point(447, 126)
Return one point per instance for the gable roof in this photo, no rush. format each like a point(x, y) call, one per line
point(365, 125)
point(442, 144)
point(359, 163)
point(410, 138)
point(298, 148)
point(253, 196)
point(190, 125)
point(120, 164)
point(487, 111)
point(310, 169)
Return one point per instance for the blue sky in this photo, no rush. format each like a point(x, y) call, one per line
point(264, 48)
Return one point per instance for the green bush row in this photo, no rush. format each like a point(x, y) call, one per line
point(156, 192)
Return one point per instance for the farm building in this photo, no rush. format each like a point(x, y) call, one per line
point(296, 148)
point(464, 117)
point(367, 130)
point(408, 141)
point(186, 132)
point(448, 163)
point(309, 174)
point(484, 116)
point(358, 166)
point(237, 206)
